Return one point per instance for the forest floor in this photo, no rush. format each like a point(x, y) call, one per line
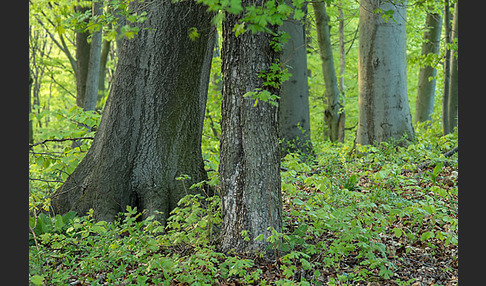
point(384, 218)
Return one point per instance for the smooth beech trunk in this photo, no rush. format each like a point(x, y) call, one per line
point(384, 111)
point(151, 128)
point(294, 118)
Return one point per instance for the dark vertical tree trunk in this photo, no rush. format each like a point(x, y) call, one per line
point(294, 118)
point(452, 103)
point(151, 128)
point(31, 131)
point(93, 74)
point(82, 60)
point(105, 50)
point(447, 68)
point(250, 162)
point(426, 88)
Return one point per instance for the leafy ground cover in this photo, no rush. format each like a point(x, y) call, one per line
point(372, 215)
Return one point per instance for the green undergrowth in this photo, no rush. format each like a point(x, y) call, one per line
point(351, 217)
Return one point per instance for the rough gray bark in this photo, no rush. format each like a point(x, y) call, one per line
point(294, 118)
point(151, 128)
point(384, 112)
point(332, 114)
point(93, 74)
point(452, 103)
point(424, 105)
point(249, 163)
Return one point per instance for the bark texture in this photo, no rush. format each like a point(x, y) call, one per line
point(150, 132)
point(384, 112)
point(250, 162)
point(424, 105)
point(294, 118)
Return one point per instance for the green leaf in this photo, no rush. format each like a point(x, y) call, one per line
point(398, 232)
point(385, 272)
point(99, 227)
point(193, 34)
point(239, 29)
point(298, 14)
point(37, 280)
point(427, 235)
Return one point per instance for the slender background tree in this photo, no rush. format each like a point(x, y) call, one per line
point(333, 113)
point(427, 82)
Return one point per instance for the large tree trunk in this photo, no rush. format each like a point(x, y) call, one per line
point(452, 103)
point(334, 109)
point(250, 162)
point(294, 118)
point(384, 112)
point(151, 128)
point(424, 105)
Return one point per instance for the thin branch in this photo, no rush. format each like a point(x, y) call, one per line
point(60, 140)
point(46, 181)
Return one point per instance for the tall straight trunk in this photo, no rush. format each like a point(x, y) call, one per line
point(151, 128)
point(93, 74)
point(424, 105)
point(447, 68)
point(250, 162)
point(342, 71)
point(294, 118)
point(384, 112)
point(452, 104)
point(82, 60)
point(31, 131)
point(105, 50)
point(332, 114)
